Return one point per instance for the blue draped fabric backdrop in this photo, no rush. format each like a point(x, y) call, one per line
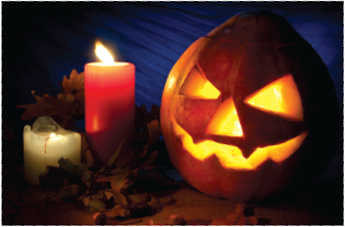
point(42, 42)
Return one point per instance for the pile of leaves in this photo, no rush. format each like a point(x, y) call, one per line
point(100, 189)
point(105, 187)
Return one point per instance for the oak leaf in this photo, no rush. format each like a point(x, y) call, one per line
point(89, 160)
point(150, 159)
point(154, 131)
point(117, 181)
point(147, 124)
point(118, 197)
point(74, 83)
point(112, 159)
point(79, 104)
point(86, 155)
point(117, 211)
point(65, 108)
point(47, 106)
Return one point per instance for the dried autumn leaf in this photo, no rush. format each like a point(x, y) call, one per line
point(96, 204)
point(79, 104)
point(118, 181)
point(119, 197)
point(150, 160)
point(97, 186)
point(147, 125)
point(84, 146)
point(141, 151)
point(48, 106)
point(86, 156)
point(114, 171)
point(66, 121)
point(112, 159)
point(89, 158)
point(236, 218)
point(74, 83)
point(142, 117)
point(67, 165)
point(119, 184)
point(65, 108)
point(155, 112)
point(154, 131)
point(117, 211)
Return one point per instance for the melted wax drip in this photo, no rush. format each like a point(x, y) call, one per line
point(45, 152)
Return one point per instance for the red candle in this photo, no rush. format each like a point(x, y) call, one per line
point(109, 106)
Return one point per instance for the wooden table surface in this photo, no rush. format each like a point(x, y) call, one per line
point(319, 204)
point(322, 205)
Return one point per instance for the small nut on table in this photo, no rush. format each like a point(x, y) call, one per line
point(99, 218)
point(149, 222)
point(175, 220)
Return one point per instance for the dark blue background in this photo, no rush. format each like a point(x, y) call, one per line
point(42, 42)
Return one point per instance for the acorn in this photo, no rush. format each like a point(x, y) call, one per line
point(149, 222)
point(86, 201)
point(140, 210)
point(99, 218)
point(175, 220)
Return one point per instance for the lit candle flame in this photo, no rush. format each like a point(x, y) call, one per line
point(53, 137)
point(102, 53)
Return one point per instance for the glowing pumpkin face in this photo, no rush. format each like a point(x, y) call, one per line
point(235, 110)
point(280, 98)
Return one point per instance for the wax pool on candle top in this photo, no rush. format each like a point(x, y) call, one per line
point(109, 106)
point(45, 144)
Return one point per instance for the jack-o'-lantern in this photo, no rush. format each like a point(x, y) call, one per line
point(249, 110)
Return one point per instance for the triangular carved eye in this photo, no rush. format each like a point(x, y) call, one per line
point(197, 86)
point(225, 121)
point(280, 97)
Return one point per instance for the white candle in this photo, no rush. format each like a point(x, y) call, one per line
point(45, 144)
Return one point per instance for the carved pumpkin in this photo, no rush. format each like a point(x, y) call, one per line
point(249, 110)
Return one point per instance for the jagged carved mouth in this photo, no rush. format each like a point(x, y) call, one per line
point(230, 156)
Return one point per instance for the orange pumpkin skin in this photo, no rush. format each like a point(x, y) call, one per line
point(239, 58)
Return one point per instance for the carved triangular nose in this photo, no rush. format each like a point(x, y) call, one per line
point(225, 121)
